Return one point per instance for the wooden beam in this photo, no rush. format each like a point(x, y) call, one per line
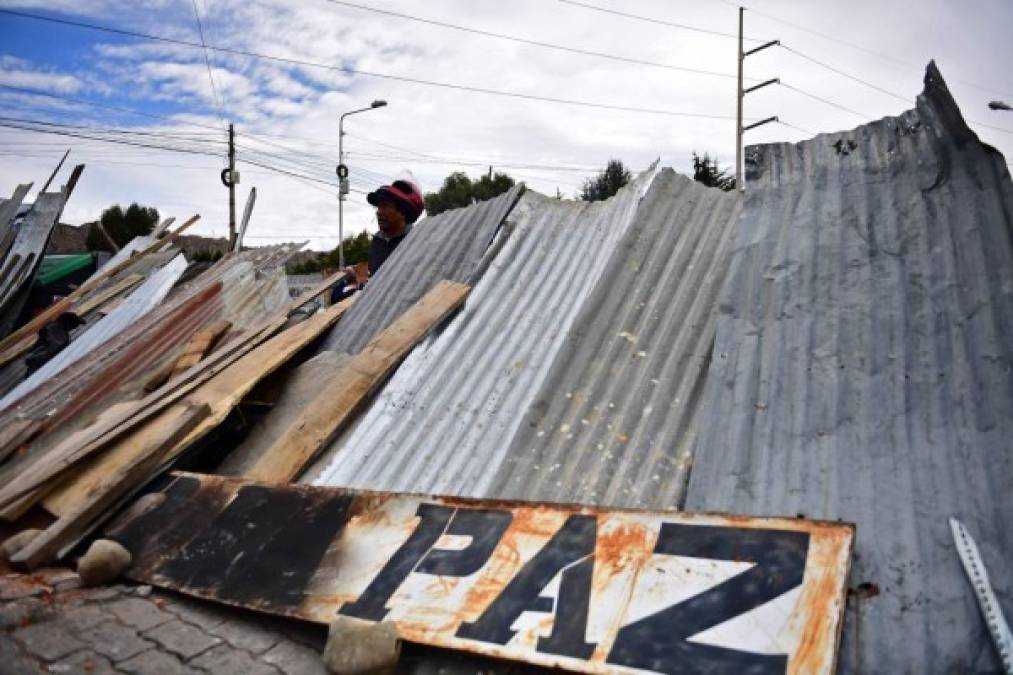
point(101, 297)
point(199, 344)
point(106, 430)
point(150, 444)
point(23, 339)
point(220, 395)
point(338, 402)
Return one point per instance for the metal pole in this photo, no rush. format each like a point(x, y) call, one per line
point(738, 114)
point(341, 197)
point(232, 186)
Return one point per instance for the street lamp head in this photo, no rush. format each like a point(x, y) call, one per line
point(379, 103)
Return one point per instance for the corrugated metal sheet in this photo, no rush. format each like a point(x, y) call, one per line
point(616, 417)
point(138, 303)
point(862, 370)
point(18, 269)
point(242, 289)
point(450, 246)
point(8, 211)
point(443, 423)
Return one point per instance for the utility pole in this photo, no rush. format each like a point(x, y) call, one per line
point(740, 95)
point(738, 112)
point(232, 185)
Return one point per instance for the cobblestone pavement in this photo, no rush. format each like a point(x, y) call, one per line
point(52, 625)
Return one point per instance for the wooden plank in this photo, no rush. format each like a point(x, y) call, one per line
point(12, 512)
point(193, 351)
point(150, 444)
point(355, 382)
point(16, 434)
point(23, 339)
point(220, 394)
point(104, 295)
point(200, 345)
point(66, 454)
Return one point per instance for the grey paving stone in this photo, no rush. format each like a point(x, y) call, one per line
point(139, 613)
point(182, 638)
point(49, 641)
point(192, 611)
point(84, 662)
point(24, 612)
point(83, 618)
point(22, 665)
point(295, 659)
point(155, 662)
point(102, 593)
point(115, 640)
point(247, 635)
point(224, 660)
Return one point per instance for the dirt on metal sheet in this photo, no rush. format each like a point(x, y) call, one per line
point(587, 589)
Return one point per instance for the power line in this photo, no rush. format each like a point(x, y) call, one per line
point(824, 100)
point(877, 88)
point(842, 73)
point(662, 22)
point(526, 41)
point(354, 71)
point(207, 61)
point(880, 55)
point(792, 126)
point(131, 111)
point(483, 163)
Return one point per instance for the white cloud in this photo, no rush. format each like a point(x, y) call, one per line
point(17, 72)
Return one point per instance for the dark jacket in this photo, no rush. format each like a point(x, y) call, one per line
point(380, 248)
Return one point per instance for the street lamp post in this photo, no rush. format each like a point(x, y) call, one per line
point(343, 178)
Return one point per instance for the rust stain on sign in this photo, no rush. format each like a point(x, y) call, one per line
point(586, 589)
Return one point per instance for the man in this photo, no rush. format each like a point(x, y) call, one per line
point(398, 206)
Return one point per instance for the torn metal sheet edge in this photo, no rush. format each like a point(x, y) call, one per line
point(583, 588)
point(991, 610)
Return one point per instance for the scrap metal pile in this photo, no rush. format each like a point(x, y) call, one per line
point(834, 348)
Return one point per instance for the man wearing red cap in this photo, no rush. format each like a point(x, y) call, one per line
point(398, 206)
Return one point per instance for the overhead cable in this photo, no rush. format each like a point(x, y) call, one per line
point(824, 100)
point(207, 61)
point(662, 22)
point(526, 41)
point(354, 71)
point(832, 38)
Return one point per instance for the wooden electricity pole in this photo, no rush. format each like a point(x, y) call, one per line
point(232, 184)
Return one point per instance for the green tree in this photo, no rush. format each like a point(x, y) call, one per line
point(459, 190)
point(706, 171)
point(356, 251)
point(606, 183)
point(122, 226)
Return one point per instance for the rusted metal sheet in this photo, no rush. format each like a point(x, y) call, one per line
point(587, 589)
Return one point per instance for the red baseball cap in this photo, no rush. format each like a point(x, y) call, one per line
point(404, 194)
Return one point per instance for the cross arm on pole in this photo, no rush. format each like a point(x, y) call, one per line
point(761, 47)
point(760, 123)
point(775, 80)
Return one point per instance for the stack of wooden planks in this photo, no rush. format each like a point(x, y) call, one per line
point(89, 474)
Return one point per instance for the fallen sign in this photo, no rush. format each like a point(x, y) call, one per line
point(586, 589)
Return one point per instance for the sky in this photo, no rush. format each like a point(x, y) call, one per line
point(620, 87)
